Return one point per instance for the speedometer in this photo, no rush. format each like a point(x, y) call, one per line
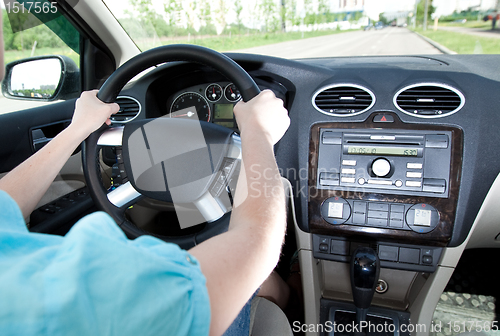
point(190, 105)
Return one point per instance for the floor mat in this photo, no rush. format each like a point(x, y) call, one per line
point(461, 312)
point(469, 302)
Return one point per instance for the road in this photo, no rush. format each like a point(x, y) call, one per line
point(10, 105)
point(387, 41)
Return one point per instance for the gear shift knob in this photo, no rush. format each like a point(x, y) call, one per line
point(365, 269)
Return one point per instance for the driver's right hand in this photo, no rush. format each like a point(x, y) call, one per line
point(264, 115)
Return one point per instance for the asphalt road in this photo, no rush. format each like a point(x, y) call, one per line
point(387, 41)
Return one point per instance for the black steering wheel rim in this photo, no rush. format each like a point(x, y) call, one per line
point(108, 93)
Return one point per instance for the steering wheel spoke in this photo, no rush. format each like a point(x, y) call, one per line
point(124, 196)
point(111, 137)
point(210, 208)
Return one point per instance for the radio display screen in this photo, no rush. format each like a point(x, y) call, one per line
point(374, 150)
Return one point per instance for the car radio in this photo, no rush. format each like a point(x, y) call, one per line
point(408, 162)
point(384, 182)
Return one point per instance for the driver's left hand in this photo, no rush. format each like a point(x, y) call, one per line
point(91, 113)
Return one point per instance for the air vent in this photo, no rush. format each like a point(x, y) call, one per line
point(129, 109)
point(429, 100)
point(343, 100)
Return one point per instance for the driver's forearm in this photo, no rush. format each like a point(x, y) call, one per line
point(29, 181)
point(259, 200)
point(237, 262)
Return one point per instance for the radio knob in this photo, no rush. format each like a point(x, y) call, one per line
point(381, 167)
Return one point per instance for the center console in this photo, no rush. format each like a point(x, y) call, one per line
point(387, 185)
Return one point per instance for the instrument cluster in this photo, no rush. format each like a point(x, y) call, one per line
point(210, 102)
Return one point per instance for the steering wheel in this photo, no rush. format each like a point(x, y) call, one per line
point(170, 159)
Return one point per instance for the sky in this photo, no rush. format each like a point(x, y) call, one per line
point(372, 7)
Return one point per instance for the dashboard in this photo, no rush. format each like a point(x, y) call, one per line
point(393, 152)
point(182, 90)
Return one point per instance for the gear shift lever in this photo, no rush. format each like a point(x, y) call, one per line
point(365, 269)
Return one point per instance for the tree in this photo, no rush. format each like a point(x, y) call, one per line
point(172, 10)
point(283, 15)
point(238, 8)
point(310, 13)
point(291, 12)
point(221, 13)
point(191, 14)
point(268, 12)
point(323, 11)
point(207, 26)
point(56, 33)
point(152, 22)
point(383, 19)
point(421, 10)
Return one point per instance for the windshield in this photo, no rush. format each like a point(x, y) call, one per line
point(315, 28)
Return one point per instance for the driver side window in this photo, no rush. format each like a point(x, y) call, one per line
point(53, 47)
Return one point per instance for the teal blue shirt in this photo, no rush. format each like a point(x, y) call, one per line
point(95, 281)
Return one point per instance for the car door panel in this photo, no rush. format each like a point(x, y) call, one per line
point(16, 130)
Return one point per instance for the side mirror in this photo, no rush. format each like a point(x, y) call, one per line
point(42, 78)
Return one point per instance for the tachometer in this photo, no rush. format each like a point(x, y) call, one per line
point(213, 92)
point(232, 93)
point(190, 105)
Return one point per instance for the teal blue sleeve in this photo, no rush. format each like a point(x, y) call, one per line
point(95, 281)
point(11, 217)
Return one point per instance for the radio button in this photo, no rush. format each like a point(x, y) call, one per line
point(360, 207)
point(398, 183)
point(378, 206)
point(410, 165)
point(348, 162)
point(358, 218)
point(397, 215)
point(349, 171)
point(347, 180)
point(380, 182)
point(329, 179)
point(436, 141)
point(376, 221)
point(377, 214)
point(413, 184)
point(331, 138)
point(397, 208)
point(397, 224)
point(434, 185)
point(381, 167)
point(414, 174)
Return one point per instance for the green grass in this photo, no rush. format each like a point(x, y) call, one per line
point(236, 42)
point(468, 24)
point(13, 55)
point(464, 43)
